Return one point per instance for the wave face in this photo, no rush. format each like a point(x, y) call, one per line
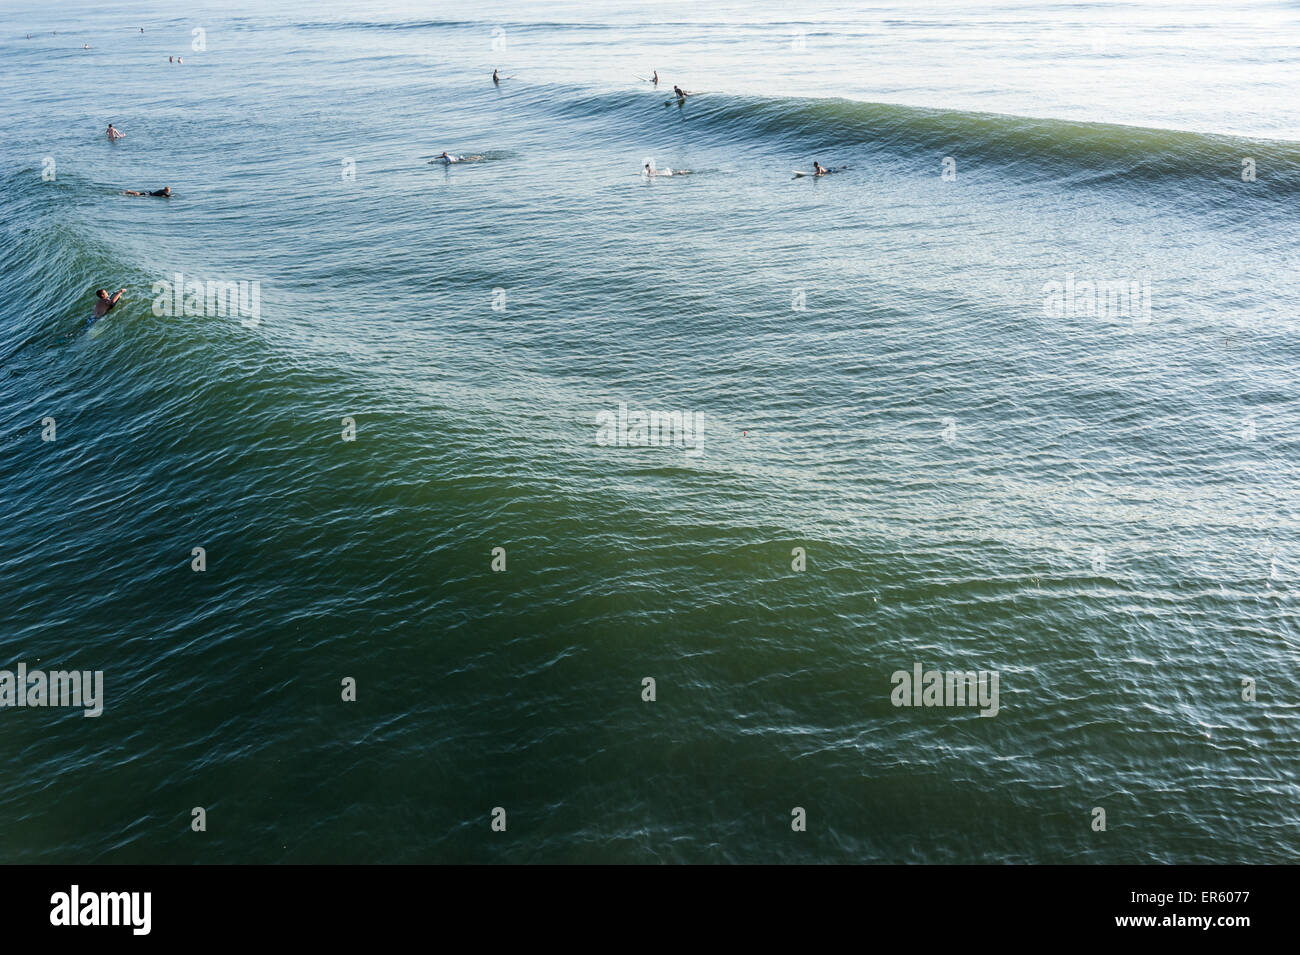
point(1068, 152)
point(1030, 413)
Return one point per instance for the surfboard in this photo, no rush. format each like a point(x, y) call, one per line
point(809, 172)
point(95, 326)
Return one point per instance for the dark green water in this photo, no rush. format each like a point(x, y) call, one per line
point(1101, 508)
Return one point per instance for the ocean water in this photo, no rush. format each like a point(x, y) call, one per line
point(893, 371)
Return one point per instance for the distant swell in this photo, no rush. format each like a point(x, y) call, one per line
point(1070, 151)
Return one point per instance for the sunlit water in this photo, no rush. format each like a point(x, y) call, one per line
point(1100, 507)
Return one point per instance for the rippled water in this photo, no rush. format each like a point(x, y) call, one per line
point(1099, 507)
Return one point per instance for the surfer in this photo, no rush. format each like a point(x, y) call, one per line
point(496, 78)
point(104, 304)
point(654, 74)
point(819, 169)
point(164, 193)
point(113, 132)
point(679, 92)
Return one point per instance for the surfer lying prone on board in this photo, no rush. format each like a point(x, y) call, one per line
point(164, 193)
point(449, 158)
point(650, 170)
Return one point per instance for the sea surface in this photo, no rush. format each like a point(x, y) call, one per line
point(914, 441)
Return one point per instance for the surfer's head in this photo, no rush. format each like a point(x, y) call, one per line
point(167, 190)
point(101, 293)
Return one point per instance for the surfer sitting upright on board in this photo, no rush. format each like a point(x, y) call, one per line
point(114, 133)
point(679, 92)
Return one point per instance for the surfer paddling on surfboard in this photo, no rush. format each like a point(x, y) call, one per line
point(650, 170)
point(448, 158)
point(819, 169)
point(104, 304)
